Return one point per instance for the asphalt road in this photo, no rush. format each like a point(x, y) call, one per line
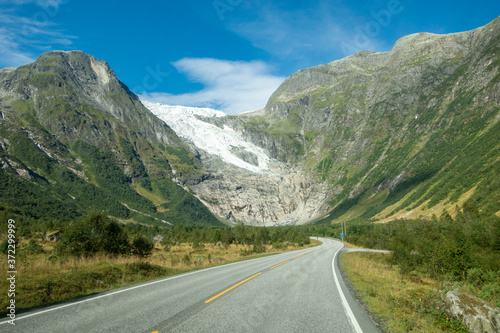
point(299, 291)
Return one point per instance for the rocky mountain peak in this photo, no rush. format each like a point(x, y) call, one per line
point(63, 82)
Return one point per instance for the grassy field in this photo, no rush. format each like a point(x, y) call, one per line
point(402, 303)
point(43, 278)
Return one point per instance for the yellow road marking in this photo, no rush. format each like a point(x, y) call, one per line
point(300, 256)
point(279, 264)
point(236, 285)
point(155, 332)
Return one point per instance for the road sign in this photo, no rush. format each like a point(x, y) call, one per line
point(342, 235)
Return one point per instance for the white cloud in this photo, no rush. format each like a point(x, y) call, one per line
point(324, 30)
point(23, 38)
point(10, 55)
point(41, 3)
point(230, 86)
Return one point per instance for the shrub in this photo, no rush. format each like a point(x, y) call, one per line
point(142, 246)
point(145, 269)
point(258, 248)
point(186, 259)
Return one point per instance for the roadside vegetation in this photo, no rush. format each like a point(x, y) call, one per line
point(407, 289)
point(402, 303)
point(59, 261)
point(462, 250)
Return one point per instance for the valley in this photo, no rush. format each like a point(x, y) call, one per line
point(257, 166)
point(412, 132)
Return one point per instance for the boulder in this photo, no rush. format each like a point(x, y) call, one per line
point(217, 259)
point(158, 239)
point(53, 236)
point(477, 314)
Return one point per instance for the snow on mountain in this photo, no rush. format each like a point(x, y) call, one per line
point(223, 142)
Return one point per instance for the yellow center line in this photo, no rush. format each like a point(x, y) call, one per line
point(300, 256)
point(279, 264)
point(236, 285)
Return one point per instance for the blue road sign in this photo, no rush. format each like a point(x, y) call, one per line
point(342, 235)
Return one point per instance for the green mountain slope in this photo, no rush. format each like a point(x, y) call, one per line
point(74, 138)
point(414, 131)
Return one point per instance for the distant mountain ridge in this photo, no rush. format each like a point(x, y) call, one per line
point(74, 138)
point(80, 79)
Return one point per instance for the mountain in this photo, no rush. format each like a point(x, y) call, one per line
point(374, 136)
point(408, 132)
point(73, 138)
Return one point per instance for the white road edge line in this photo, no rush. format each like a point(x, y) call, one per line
point(350, 314)
point(140, 286)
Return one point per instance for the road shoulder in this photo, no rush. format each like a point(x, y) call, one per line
point(357, 298)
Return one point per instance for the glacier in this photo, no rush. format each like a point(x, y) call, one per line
point(214, 140)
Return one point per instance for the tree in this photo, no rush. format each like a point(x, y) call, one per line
point(96, 233)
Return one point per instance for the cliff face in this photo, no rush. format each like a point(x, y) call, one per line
point(405, 133)
point(73, 137)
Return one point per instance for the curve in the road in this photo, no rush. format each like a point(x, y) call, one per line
point(289, 292)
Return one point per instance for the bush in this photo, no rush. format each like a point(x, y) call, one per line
point(186, 259)
point(258, 248)
point(142, 246)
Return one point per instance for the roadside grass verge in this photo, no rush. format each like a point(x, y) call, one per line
point(43, 278)
point(402, 303)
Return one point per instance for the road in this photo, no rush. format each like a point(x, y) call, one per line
point(298, 291)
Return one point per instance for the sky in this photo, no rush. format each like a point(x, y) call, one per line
point(229, 55)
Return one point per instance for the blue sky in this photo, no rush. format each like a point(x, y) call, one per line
point(226, 54)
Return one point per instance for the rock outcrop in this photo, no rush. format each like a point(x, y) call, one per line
point(289, 196)
point(479, 316)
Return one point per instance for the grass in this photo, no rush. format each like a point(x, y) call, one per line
point(351, 246)
point(445, 206)
point(412, 303)
point(44, 279)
